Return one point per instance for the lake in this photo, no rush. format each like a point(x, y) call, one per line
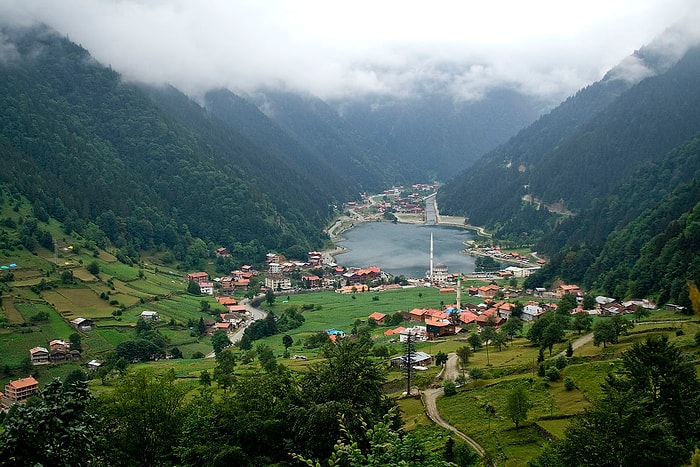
point(404, 249)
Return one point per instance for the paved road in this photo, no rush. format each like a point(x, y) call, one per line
point(451, 371)
point(255, 313)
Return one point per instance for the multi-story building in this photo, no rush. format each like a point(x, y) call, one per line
point(18, 391)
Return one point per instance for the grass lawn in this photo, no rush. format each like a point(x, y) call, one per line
point(11, 313)
point(78, 302)
point(497, 434)
point(15, 345)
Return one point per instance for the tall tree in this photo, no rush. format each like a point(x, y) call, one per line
point(220, 341)
point(55, 428)
point(142, 418)
point(518, 404)
point(223, 372)
point(582, 322)
point(648, 414)
point(346, 384)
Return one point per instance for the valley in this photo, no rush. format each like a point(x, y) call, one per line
point(139, 224)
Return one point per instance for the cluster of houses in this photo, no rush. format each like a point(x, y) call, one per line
point(410, 204)
point(496, 253)
point(58, 351)
point(237, 280)
point(433, 323)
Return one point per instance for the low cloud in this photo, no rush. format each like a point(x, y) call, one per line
point(342, 49)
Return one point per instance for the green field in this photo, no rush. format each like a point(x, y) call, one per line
point(120, 293)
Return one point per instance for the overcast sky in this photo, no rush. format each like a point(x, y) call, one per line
point(342, 48)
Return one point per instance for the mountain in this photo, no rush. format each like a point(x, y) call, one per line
point(147, 167)
point(581, 150)
point(437, 134)
point(422, 138)
point(310, 133)
point(605, 186)
point(643, 240)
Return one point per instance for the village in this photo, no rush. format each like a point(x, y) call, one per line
point(318, 271)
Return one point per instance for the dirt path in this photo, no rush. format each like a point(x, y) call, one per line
point(578, 343)
point(451, 371)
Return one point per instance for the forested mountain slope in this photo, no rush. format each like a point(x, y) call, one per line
point(625, 160)
point(149, 168)
point(440, 134)
point(581, 150)
point(318, 127)
point(642, 240)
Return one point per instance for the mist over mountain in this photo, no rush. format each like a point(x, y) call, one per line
point(147, 167)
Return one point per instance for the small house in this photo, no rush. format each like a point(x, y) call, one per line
point(378, 317)
point(38, 355)
point(82, 324)
point(150, 315)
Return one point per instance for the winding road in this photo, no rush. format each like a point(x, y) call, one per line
point(451, 371)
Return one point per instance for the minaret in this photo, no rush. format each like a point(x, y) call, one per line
point(459, 291)
point(431, 258)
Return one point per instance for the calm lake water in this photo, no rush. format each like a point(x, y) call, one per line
point(404, 249)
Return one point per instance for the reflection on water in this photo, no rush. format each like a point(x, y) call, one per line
point(404, 249)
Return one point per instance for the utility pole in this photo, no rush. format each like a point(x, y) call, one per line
point(408, 362)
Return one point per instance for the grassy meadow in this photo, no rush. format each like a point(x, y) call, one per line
point(116, 296)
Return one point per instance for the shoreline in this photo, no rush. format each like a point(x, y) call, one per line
point(340, 225)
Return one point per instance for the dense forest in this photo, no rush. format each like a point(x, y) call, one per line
point(149, 168)
point(605, 186)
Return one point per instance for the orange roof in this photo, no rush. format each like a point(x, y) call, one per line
point(226, 300)
point(418, 311)
point(398, 330)
point(377, 316)
point(467, 317)
point(435, 322)
point(198, 274)
point(24, 382)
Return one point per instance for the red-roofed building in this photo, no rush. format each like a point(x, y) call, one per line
point(417, 314)
point(505, 309)
point(18, 391)
point(435, 314)
point(484, 319)
point(311, 281)
point(437, 328)
point(226, 301)
point(391, 332)
point(488, 291)
point(378, 317)
point(467, 317)
point(568, 288)
point(225, 326)
point(198, 277)
point(360, 276)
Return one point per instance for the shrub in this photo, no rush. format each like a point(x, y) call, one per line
point(476, 373)
point(198, 355)
point(560, 363)
point(449, 388)
point(569, 383)
point(552, 374)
